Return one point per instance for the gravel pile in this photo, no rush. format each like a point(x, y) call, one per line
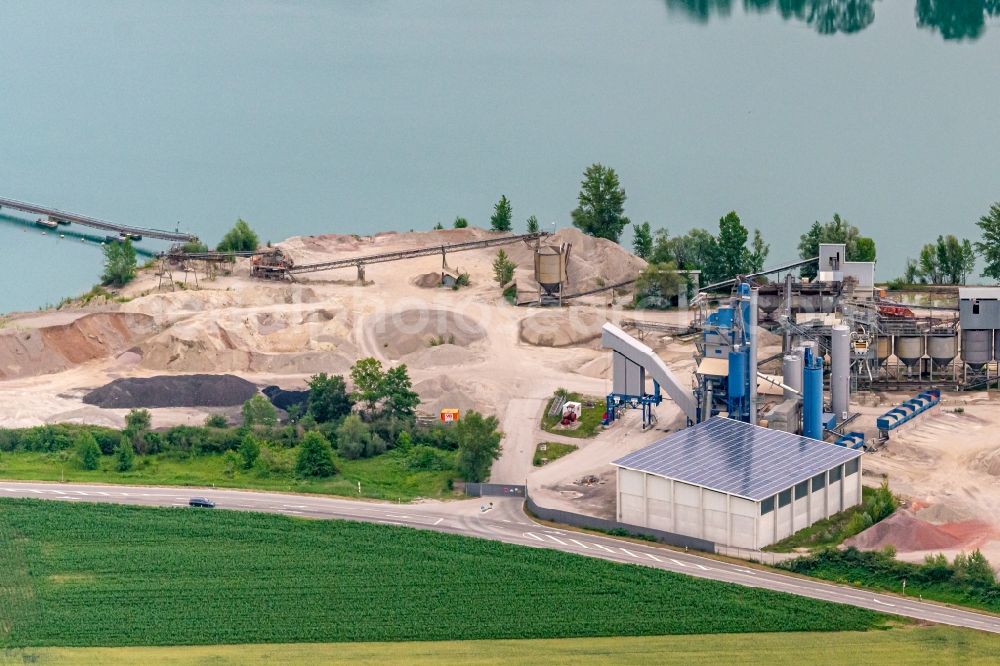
point(173, 391)
point(283, 399)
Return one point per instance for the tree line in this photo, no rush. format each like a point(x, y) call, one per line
point(377, 416)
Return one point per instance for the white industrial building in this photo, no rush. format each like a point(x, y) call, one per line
point(736, 484)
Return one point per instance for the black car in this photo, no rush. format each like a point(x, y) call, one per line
point(202, 502)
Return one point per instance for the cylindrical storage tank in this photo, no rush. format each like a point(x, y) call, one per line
point(737, 374)
point(909, 349)
point(883, 349)
point(977, 347)
point(550, 267)
point(791, 372)
point(840, 370)
point(942, 349)
point(812, 397)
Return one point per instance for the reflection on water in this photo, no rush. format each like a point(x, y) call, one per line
point(956, 19)
point(953, 19)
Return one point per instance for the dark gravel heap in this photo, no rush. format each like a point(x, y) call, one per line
point(173, 391)
point(283, 399)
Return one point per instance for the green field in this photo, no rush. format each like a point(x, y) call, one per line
point(553, 451)
point(383, 477)
point(107, 575)
point(923, 646)
point(590, 417)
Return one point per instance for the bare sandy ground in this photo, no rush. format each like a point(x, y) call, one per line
point(468, 349)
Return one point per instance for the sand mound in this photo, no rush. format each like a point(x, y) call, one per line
point(440, 355)
point(169, 391)
point(599, 367)
point(590, 260)
point(34, 350)
point(427, 280)
point(942, 513)
point(408, 331)
point(989, 462)
point(561, 328)
point(280, 341)
point(905, 532)
point(444, 393)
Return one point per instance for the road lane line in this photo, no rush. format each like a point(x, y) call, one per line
point(580, 544)
point(602, 547)
point(438, 521)
point(651, 556)
point(678, 562)
point(533, 536)
point(559, 541)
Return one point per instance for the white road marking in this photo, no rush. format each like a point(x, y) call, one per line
point(533, 536)
point(628, 552)
point(438, 521)
point(68, 498)
point(602, 547)
point(678, 562)
point(101, 493)
point(580, 544)
point(652, 557)
point(559, 541)
point(297, 506)
point(58, 492)
point(32, 490)
point(295, 512)
point(883, 603)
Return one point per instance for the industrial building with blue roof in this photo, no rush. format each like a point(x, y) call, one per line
point(736, 484)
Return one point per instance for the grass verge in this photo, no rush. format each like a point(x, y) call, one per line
point(589, 422)
point(903, 645)
point(386, 476)
point(89, 574)
point(546, 452)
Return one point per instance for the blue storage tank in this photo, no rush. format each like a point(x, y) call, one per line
point(812, 396)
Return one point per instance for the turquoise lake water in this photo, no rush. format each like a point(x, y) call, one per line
point(307, 117)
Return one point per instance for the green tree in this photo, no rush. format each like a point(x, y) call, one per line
point(124, 454)
point(400, 399)
point(601, 209)
point(356, 440)
point(258, 411)
point(478, 440)
point(137, 425)
point(929, 265)
point(657, 286)
point(503, 268)
point(642, 241)
point(241, 238)
point(732, 257)
point(955, 259)
point(315, 457)
point(837, 230)
point(368, 379)
point(758, 253)
point(216, 421)
point(119, 263)
point(249, 450)
point(693, 251)
point(532, 225)
point(864, 249)
point(88, 453)
point(328, 398)
point(438, 227)
point(989, 246)
point(502, 215)
point(460, 223)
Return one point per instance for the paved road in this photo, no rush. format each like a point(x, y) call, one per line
point(505, 522)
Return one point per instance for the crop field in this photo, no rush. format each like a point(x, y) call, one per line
point(107, 575)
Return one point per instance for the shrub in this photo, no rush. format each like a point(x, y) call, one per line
point(87, 451)
point(216, 421)
point(315, 456)
point(249, 450)
point(124, 454)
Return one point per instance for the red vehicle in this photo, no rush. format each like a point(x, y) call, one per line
point(895, 311)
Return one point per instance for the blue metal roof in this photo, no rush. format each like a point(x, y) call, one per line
point(737, 458)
